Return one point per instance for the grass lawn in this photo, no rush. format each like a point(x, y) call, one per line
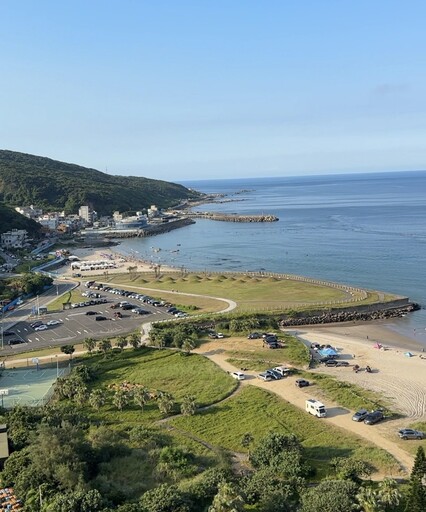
point(70, 296)
point(252, 293)
point(259, 412)
point(158, 370)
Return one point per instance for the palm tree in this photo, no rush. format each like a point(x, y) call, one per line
point(89, 344)
point(120, 399)
point(188, 406)
point(388, 492)
point(81, 394)
point(246, 441)
point(97, 398)
point(134, 340)
point(187, 346)
point(104, 345)
point(227, 499)
point(121, 342)
point(165, 403)
point(141, 396)
point(369, 500)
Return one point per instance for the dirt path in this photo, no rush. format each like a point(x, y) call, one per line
point(337, 416)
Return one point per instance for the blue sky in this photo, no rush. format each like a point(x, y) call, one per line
point(216, 89)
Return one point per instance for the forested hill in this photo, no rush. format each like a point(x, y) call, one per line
point(53, 185)
point(9, 219)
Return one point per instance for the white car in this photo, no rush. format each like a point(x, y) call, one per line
point(220, 335)
point(41, 327)
point(53, 322)
point(238, 375)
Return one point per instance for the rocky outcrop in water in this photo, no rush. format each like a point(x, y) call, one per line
point(232, 217)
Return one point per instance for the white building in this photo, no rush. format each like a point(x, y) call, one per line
point(86, 213)
point(29, 211)
point(15, 239)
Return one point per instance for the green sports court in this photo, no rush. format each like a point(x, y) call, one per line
point(31, 386)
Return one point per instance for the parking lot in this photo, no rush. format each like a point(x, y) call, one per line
point(74, 325)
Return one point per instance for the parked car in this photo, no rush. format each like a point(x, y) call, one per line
point(302, 383)
point(90, 313)
point(15, 342)
point(265, 376)
point(254, 336)
point(283, 370)
point(275, 375)
point(41, 327)
point(272, 344)
point(360, 415)
point(409, 433)
point(36, 324)
point(100, 318)
point(238, 375)
point(374, 417)
point(336, 363)
point(53, 322)
point(8, 333)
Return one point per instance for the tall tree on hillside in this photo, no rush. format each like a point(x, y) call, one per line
point(68, 349)
point(135, 340)
point(120, 399)
point(187, 346)
point(104, 345)
point(97, 398)
point(227, 499)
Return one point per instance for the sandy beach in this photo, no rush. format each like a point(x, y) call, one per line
point(398, 377)
point(108, 254)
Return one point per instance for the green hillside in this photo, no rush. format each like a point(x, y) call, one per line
point(9, 219)
point(52, 185)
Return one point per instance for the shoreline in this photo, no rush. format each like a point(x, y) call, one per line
point(369, 332)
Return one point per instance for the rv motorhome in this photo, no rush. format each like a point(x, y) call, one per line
point(316, 408)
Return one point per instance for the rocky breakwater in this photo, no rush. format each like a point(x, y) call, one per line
point(231, 217)
point(350, 315)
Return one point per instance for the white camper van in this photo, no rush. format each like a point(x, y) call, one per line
point(316, 408)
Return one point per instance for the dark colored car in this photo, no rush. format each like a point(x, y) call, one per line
point(409, 433)
point(360, 415)
point(15, 342)
point(100, 318)
point(36, 324)
point(254, 336)
point(8, 333)
point(302, 383)
point(90, 312)
point(126, 307)
point(374, 417)
point(171, 310)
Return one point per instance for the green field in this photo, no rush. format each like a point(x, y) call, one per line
point(252, 293)
point(259, 412)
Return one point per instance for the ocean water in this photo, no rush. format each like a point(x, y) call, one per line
point(364, 229)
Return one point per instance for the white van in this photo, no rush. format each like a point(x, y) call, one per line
point(315, 408)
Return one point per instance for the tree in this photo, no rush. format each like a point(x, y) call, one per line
point(187, 346)
point(330, 496)
point(351, 469)
point(97, 398)
point(89, 344)
point(121, 342)
point(227, 499)
point(141, 396)
point(246, 441)
point(188, 406)
point(369, 500)
point(164, 498)
point(389, 493)
point(120, 399)
point(68, 349)
point(135, 340)
point(165, 403)
point(416, 496)
point(104, 345)
point(81, 394)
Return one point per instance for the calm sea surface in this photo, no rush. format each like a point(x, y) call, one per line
point(367, 230)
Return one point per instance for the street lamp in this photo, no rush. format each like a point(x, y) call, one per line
point(57, 366)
